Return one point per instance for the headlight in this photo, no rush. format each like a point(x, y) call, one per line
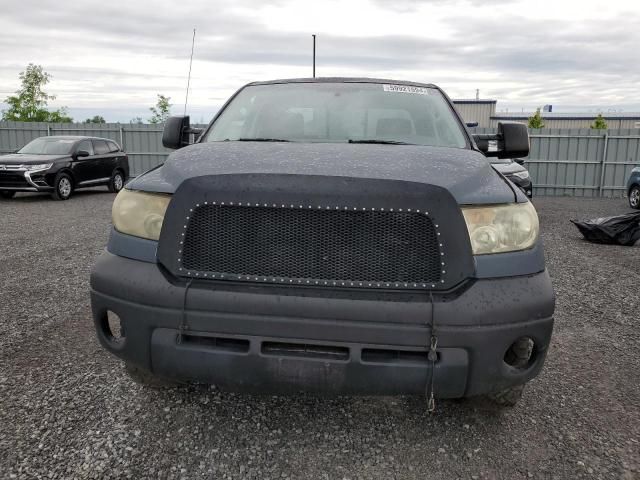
point(524, 175)
point(39, 166)
point(502, 228)
point(139, 214)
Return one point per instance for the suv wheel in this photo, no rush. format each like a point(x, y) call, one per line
point(634, 197)
point(6, 194)
point(63, 187)
point(146, 378)
point(117, 182)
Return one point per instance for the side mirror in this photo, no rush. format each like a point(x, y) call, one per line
point(511, 141)
point(173, 133)
point(519, 161)
point(177, 132)
point(82, 153)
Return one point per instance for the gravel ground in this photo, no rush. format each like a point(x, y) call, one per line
point(67, 410)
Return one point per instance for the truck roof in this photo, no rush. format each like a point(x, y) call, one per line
point(344, 80)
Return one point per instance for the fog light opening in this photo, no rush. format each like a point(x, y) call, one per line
point(521, 354)
point(113, 328)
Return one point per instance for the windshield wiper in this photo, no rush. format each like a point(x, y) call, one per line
point(260, 139)
point(381, 142)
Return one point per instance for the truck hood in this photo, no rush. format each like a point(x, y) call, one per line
point(25, 159)
point(466, 174)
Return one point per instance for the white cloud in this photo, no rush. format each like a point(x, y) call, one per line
point(118, 55)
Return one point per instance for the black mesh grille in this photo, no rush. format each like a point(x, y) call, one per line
point(285, 244)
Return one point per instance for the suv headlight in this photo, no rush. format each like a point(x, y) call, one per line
point(140, 214)
point(502, 228)
point(39, 166)
point(522, 175)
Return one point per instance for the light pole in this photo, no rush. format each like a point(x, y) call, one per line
point(314, 55)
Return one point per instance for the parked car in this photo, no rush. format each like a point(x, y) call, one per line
point(62, 164)
point(514, 170)
point(633, 188)
point(329, 235)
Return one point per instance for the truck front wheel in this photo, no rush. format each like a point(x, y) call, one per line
point(507, 397)
point(148, 379)
point(519, 357)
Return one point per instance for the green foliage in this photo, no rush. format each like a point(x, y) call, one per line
point(29, 104)
point(161, 111)
point(536, 121)
point(60, 116)
point(96, 119)
point(599, 123)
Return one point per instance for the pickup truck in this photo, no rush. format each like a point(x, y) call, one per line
point(329, 235)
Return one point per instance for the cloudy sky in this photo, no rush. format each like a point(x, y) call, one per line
point(113, 57)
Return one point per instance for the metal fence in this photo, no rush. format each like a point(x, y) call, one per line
point(581, 162)
point(143, 143)
point(575, 162)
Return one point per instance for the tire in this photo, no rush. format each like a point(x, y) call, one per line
point(634, 197)
point(117, 181)
point(518, 356)
point(7, 195)
point(62, 187)
point(508, 397)
point(148, 379)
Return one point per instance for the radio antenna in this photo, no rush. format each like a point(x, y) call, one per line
point(314, 55)
point(186, 97)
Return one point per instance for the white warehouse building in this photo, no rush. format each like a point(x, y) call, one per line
point(483, 111)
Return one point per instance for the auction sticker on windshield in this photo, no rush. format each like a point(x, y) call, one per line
point(405, 89)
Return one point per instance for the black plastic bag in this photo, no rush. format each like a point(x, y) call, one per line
point(619, 230)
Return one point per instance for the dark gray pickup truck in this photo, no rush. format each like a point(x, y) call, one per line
point(329, 235)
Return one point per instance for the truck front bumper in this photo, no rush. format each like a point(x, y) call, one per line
point(279, 339)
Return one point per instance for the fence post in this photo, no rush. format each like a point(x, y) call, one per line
point(48, 130)
point(603, 163)
point(122, 138)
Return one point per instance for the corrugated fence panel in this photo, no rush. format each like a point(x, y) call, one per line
point(581, 162)
point(145, 144)
point(623, 153)
point(561, 161)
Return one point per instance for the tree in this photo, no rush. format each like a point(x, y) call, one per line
point(161, 111)
point(536, 121)
point(96, 119)
point(59, 116)
point(29, 104)
point(136, 121)
point(599, 123)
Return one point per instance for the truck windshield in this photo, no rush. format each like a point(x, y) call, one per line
point(339, 112)
point(48, 146)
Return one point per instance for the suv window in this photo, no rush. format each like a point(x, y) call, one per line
point(100, 147)
point(113, 147)
point(86, 146)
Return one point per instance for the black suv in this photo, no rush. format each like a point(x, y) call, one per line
point(329, 235)
point(514, 170)
point(62, 164)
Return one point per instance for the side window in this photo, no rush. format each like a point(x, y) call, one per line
point(86, 146)
point(113, 147)
point(100, 147)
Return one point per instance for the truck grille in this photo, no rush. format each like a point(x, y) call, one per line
point(315, 246)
